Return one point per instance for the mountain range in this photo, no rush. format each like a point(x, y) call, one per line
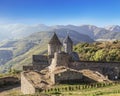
point(22, 41)
point(18, 31)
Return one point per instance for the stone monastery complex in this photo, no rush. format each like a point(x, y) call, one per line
point(64, 67)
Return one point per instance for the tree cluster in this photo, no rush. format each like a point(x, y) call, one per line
point(99, 51)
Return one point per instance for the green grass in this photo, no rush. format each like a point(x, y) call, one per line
point(24, 49)
point(112, 90)
point(10, 75)
point(24, 59)
point(109, 90)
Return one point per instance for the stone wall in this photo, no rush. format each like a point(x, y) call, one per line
point(110, 69)
point(35, 67)
point(62, 59)
point(26, 86)
point(52, 48)
point(9, 81)
point(40, 59)
point(68, 47)
point(40, 67)
point(93, 65)
point(25, 68)
point(68, 76)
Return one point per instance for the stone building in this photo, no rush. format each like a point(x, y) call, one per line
point(68, 45)
point(64, 66)
point(66, 75)
point(54, 45)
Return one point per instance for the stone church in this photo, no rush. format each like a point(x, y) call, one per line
point(62, 65)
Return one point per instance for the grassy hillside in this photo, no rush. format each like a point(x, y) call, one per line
point(99, 51)
point(5, 55)
point(24, 49)
point(24, 59)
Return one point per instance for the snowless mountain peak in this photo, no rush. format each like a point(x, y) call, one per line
point(113, 28)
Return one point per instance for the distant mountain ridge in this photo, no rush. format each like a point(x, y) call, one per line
point(113, 28)
point(17, 31)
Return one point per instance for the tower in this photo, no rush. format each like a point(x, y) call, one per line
point(68, 45)
point(54, 45)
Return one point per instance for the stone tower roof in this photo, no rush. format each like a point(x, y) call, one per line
point(55, 40)
point(68, 39)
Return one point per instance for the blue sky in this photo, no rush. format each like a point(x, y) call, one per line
point(52, 12)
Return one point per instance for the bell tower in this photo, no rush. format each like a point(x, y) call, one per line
point(68, 45)
point(54, 45)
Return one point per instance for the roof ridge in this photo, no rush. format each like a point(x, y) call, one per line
point(55, 40)
point(68, 39)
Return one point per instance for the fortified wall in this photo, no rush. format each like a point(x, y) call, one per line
point(110, 69)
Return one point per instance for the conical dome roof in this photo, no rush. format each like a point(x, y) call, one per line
point(55, 40)
point(68, 39)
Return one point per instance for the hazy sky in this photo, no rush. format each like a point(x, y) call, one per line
point(51, 12)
